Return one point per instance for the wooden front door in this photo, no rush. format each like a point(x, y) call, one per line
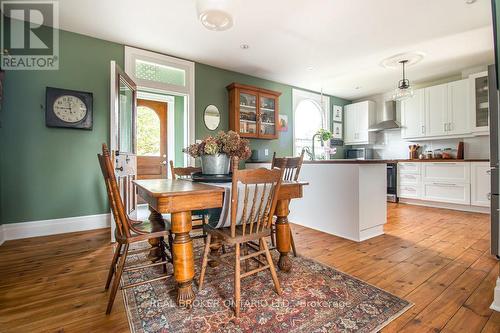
point(151, 139)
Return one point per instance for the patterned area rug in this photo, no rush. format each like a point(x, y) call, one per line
point(316, 298)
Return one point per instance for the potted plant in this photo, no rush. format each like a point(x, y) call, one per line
point(215, 152)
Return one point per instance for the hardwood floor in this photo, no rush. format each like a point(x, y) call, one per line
point(438, 259)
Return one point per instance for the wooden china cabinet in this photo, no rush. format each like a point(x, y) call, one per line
point(253, 111)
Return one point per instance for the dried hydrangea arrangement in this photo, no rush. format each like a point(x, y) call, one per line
point(229, 143)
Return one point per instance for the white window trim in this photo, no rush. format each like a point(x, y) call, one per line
point(302, 95)
point(132, 54)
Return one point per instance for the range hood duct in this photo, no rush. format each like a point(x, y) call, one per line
point(388, 118)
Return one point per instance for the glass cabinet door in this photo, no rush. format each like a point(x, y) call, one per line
point(481, 101)
point(248, 113)
point(267, 110)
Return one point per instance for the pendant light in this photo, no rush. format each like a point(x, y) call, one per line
point(215, 15)
point(404, 89)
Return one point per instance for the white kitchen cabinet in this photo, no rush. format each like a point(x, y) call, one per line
point(480, 184)
point(358, 118)
point(451, 172)
point(409, 180)
point(413, 116)
point(458, 108)
point(436, 110)
point(479, 105)
point(457, 193)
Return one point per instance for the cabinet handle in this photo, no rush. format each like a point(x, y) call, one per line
point(423, 129)
point(489, 196)
point(444, 184)
point(450, 127)
point(445, 127)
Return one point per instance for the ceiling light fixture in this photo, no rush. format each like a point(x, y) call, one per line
point(215, 15)
point(404, 89)
point(470, 2)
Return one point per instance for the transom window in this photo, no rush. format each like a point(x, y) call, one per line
point(155, 72)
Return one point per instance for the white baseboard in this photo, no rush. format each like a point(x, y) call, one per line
point(53, 227)
point(434, 204)
point(496, 297)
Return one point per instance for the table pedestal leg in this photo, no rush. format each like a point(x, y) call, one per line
point(283, 235)
point(157, 224)
point(183, 258)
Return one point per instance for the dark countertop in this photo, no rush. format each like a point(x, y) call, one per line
point(375, 161)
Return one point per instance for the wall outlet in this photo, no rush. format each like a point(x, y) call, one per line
point(266, 152)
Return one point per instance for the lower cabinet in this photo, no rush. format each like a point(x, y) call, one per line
point(463, 183)
point(446, 192)
point(480, 184)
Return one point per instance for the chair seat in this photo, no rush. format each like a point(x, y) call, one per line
point(225, 234)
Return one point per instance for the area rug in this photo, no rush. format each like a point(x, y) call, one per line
point(316, 298)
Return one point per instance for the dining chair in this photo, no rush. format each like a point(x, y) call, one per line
point(253, 201)
point(128, 232)
point(291, 166)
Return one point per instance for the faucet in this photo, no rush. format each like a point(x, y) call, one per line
point(312, 145)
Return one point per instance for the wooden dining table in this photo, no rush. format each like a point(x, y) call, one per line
point(180, 197)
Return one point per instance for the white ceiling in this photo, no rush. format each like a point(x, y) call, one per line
point(343, 41)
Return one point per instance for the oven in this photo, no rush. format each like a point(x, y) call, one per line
point(392, 182)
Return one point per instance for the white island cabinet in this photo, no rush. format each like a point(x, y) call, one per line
point(346, 198)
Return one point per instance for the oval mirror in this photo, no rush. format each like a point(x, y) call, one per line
point(211, 117)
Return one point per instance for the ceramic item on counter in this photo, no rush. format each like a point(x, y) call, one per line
point(413, 151)
point(421, 156)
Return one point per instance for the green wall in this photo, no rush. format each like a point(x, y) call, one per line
point(49, 173)
point(52, 173)
point(210, 88)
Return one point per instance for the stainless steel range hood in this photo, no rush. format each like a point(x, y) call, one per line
point(388, 118)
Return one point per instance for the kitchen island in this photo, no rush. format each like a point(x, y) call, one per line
point(346, 198)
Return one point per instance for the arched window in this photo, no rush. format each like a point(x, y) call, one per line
point(309, 117)
point(148, 132)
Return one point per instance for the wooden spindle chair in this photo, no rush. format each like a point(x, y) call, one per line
point(128, 232)
point(291, 170)
point(253, 201)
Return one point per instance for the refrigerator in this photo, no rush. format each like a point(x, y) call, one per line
point(494, 160)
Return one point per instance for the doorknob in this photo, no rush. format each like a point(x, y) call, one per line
point(163, 163)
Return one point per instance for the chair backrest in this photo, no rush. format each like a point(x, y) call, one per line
point(115, 200)
point(291, 166)
point(253, 198)
point(182, 173)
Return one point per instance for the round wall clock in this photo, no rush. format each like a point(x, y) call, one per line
point(68, 108)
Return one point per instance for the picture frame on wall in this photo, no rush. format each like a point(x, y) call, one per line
point(337, 131)
point(337, 113)
point(283, 123)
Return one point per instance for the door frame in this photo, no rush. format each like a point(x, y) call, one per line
point(188, 91)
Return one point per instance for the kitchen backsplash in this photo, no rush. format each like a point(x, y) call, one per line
point(390, 145)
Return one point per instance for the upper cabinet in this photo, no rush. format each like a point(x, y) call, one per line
point(479, 103)
point(253, 111)
point(358, 118)
point(413, 116)
point(437, 112)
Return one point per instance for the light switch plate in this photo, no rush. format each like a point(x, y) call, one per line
point(266, 152)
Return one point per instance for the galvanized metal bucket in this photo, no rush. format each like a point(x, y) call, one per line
point(215, 164)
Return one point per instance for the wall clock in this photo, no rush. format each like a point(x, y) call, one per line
point(68, 108)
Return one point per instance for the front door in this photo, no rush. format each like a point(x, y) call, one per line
point(151, 139)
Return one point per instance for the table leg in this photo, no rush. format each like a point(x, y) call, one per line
point(157, 224)
point(283, 235)
point(183, 258)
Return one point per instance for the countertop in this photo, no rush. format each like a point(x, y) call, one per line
point(375, 161)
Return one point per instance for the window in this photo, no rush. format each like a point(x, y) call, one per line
point(159, 73)
point(148, 132)
point(310, 115)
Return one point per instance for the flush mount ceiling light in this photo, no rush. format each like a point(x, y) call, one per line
point(470, 2)
point(404, 89)
point(215, 14)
